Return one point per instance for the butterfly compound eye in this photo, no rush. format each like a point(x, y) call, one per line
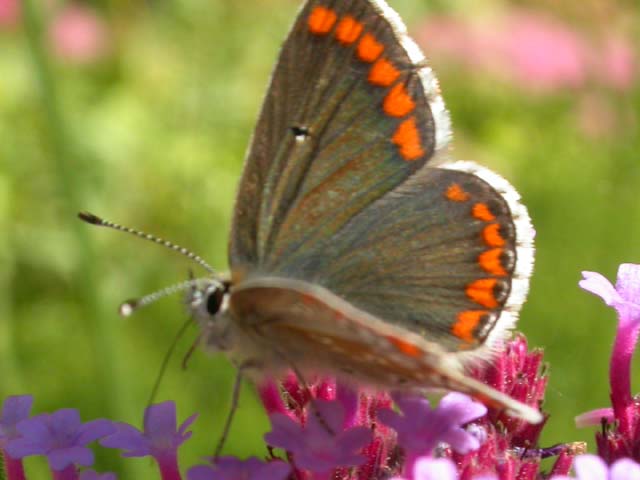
point(214, 300)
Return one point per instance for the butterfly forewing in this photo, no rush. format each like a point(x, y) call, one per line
point(346, 119)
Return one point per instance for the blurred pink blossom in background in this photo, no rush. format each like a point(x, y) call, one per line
point(9, 13)
point(617, 63)
point(77, 34)
point(531, 50)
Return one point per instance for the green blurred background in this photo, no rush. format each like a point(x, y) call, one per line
point(141, 111)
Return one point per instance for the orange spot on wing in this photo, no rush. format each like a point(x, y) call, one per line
point(407, 138)
point(321, 20)
point(369, 49)
point(490, 262)
point(491, 235)
point(383, 73)
point(398, 102)
point(481, 212)
point(481, 292)
point(405, 347)
point(455, 193)
point(348, 30)
point(467, 321)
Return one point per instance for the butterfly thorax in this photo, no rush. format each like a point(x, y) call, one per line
point(221, 331)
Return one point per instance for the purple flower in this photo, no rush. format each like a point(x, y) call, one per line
point(592, 467)
point(322, 444)
point(93, 475)
point(421, 428)
point(160, 438)
point(61, 436)
point(14, 409)
point(231, 468)
point(621, 440)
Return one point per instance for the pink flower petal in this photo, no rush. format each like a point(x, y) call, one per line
point(598, 284)
point(594, 417)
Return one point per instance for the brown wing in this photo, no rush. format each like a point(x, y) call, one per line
point(319, 332)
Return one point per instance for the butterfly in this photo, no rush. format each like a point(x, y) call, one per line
point(358, 248)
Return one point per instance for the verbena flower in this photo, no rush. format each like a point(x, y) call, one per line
point(483, 443)
point(510, 446)
point(592, 467)
point(61, 437)
point(160, 438)
point(14, 409)
point(519, 373)
point(322, 444)
point(348, 411)
point(231, 468)
point(420, 428)
point(620, 438)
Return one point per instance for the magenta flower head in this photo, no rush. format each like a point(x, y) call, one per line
point(160, 438)
point(60, 436)
point(322, 444)
point(510, 446)
point(231, 468)
point(592, 467)
point(622, 439)
point(518, 372)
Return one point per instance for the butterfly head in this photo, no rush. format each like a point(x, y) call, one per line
point(208, 303)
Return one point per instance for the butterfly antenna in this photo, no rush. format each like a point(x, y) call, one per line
point(165, 361)
point(130, 306)
point(101, 222)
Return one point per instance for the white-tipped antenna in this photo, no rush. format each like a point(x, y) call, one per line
point(101, 222)
point(130, 306)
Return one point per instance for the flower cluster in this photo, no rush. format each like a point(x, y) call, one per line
point(63, 439)
point(327, 430)
point(460, 438)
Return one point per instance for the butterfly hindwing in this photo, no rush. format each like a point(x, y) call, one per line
point(351, 113)
point(443, 255)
